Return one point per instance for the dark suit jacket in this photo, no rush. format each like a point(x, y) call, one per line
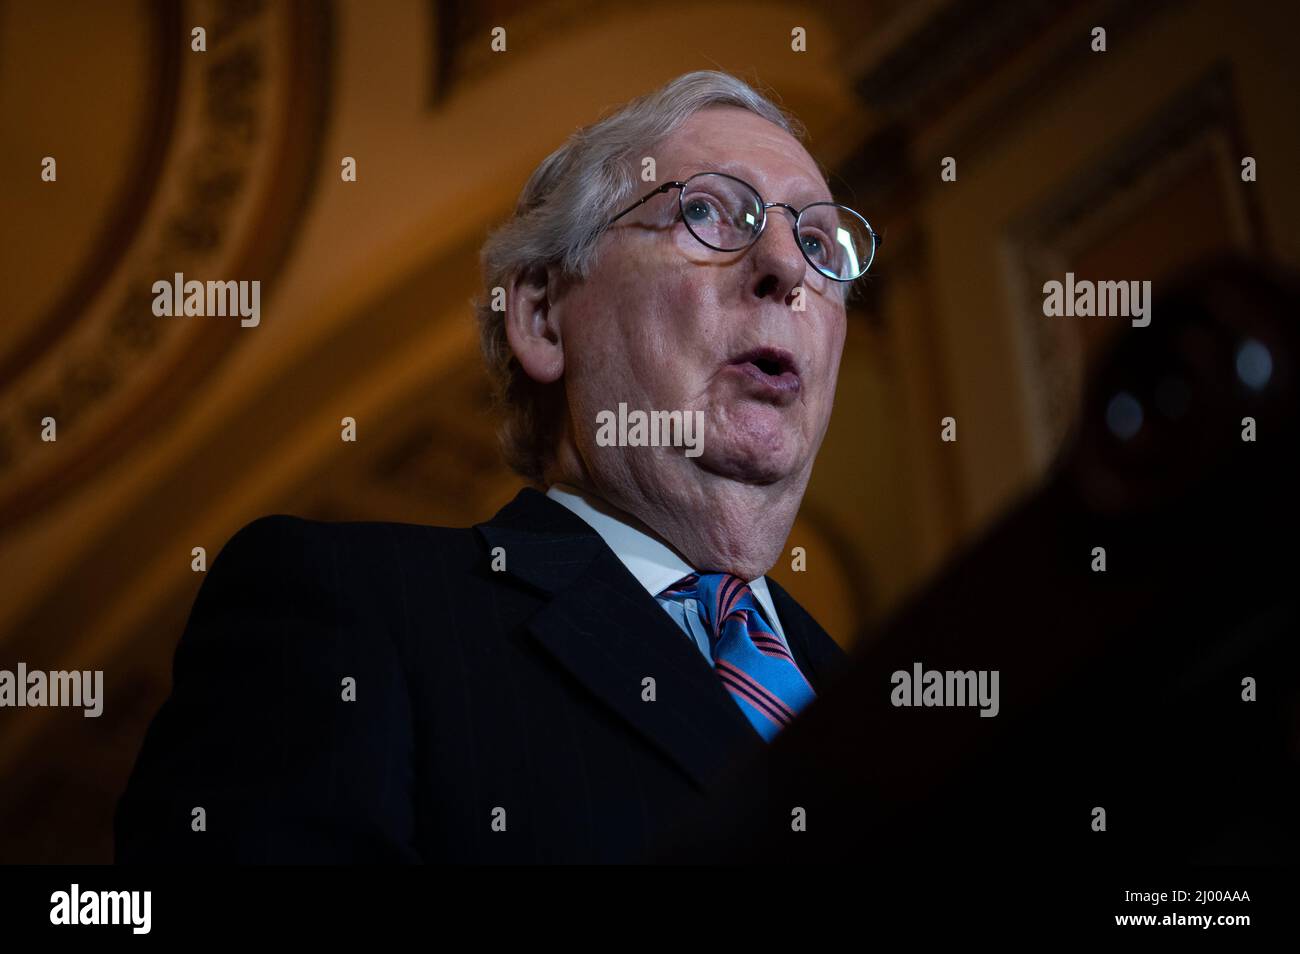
point(475, 690)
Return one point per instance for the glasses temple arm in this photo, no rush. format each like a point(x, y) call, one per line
point(644, 199)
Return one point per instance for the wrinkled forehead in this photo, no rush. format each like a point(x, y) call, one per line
point(749, 147)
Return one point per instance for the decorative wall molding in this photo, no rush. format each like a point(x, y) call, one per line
point(1198, 123)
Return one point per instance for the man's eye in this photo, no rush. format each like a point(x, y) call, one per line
point(697, 210)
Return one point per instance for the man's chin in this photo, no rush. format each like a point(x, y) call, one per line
point(749, 465)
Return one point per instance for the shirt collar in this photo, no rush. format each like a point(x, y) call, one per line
point(655, 565)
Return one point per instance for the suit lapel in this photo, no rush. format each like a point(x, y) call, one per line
point(818, 656)
point(610, 634)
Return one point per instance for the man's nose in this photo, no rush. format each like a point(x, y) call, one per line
point(779, 265)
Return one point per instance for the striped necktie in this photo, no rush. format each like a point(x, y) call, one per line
point(748, 656)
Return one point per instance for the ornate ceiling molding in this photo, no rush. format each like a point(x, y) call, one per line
point(225, 177)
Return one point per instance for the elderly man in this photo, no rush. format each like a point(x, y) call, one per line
point(566, 681)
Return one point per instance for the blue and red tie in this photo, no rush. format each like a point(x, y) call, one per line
point(749, 657)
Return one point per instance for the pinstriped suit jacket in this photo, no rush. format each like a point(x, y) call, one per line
point(376, 692)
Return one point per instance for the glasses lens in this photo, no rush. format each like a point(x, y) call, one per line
point(720, 211)
point(837, 240)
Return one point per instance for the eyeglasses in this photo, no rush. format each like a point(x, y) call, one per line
point(727, 214)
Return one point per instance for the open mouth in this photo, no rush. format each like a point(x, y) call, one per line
point(770, 367)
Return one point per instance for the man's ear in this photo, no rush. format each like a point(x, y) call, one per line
point(531, 326)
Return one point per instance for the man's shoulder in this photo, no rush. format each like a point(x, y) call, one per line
point(276, 532)
point(279, 533)
point(281, 549)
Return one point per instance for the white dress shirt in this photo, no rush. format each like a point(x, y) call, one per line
point(655, 565)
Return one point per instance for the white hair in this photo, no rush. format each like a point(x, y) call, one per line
point(558, 220)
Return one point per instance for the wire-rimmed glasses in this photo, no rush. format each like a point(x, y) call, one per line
point(727, 214)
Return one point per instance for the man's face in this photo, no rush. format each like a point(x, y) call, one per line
point(664, 323)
